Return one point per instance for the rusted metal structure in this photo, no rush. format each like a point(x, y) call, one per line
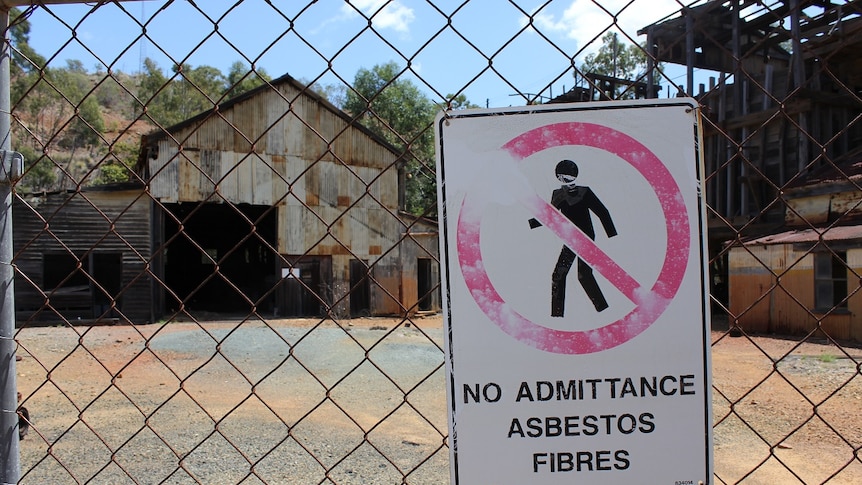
point(290, 201)
point(265, 401)
point(782, 101)
point(598, 87)
point(105, 230)
point(816, 258)
point(274, 202)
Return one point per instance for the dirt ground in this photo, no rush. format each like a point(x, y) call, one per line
point(785, 411)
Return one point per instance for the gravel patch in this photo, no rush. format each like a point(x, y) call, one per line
point(363, 402)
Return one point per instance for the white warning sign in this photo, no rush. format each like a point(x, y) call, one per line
point(573, 257)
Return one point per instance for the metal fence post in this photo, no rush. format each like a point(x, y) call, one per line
point(8, 384)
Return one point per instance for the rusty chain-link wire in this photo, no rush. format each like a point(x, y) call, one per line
point(241, 285)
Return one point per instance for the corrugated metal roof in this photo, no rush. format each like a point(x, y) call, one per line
point(837, 233)
point(225, 107)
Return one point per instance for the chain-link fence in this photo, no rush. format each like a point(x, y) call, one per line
point(226, 274)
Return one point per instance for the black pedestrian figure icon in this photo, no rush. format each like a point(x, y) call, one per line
point(576, 202)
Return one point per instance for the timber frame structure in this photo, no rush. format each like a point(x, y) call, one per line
point(783, 99)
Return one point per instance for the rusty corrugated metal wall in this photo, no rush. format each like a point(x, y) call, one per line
point(334, 185)
point(765, 306)
point(80, 222)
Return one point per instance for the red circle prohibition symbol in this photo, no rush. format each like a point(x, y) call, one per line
point(649, 303)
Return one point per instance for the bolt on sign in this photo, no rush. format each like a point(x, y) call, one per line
point(574, 271)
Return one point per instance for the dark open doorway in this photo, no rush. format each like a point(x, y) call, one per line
point(107, 271)
point(360, 289)
point(425, 284)
point(73, 293)
point(222, 259)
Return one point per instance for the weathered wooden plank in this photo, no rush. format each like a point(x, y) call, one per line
point(80, 224)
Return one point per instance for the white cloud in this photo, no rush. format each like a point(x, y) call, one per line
point(393, 15)
point(584, 20)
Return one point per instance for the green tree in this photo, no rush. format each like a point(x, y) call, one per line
point(24, 57)
point(399, 112)
point(241, 79)
point(40, 173)
point(25, 76)
point(116, 167)
point(111, 173)
point(76, 99)
point(189, 91)
point(459, 102)
point(620, 59)
point(155, 95)
point(199, 89)
point(57, 106)
point(112, 93)
point(334, 93)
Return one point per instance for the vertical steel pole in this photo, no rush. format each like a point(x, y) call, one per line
point(9, 447)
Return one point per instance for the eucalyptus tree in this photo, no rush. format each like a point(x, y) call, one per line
point(389, 104)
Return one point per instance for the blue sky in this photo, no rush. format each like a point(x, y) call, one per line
point(532, 59)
